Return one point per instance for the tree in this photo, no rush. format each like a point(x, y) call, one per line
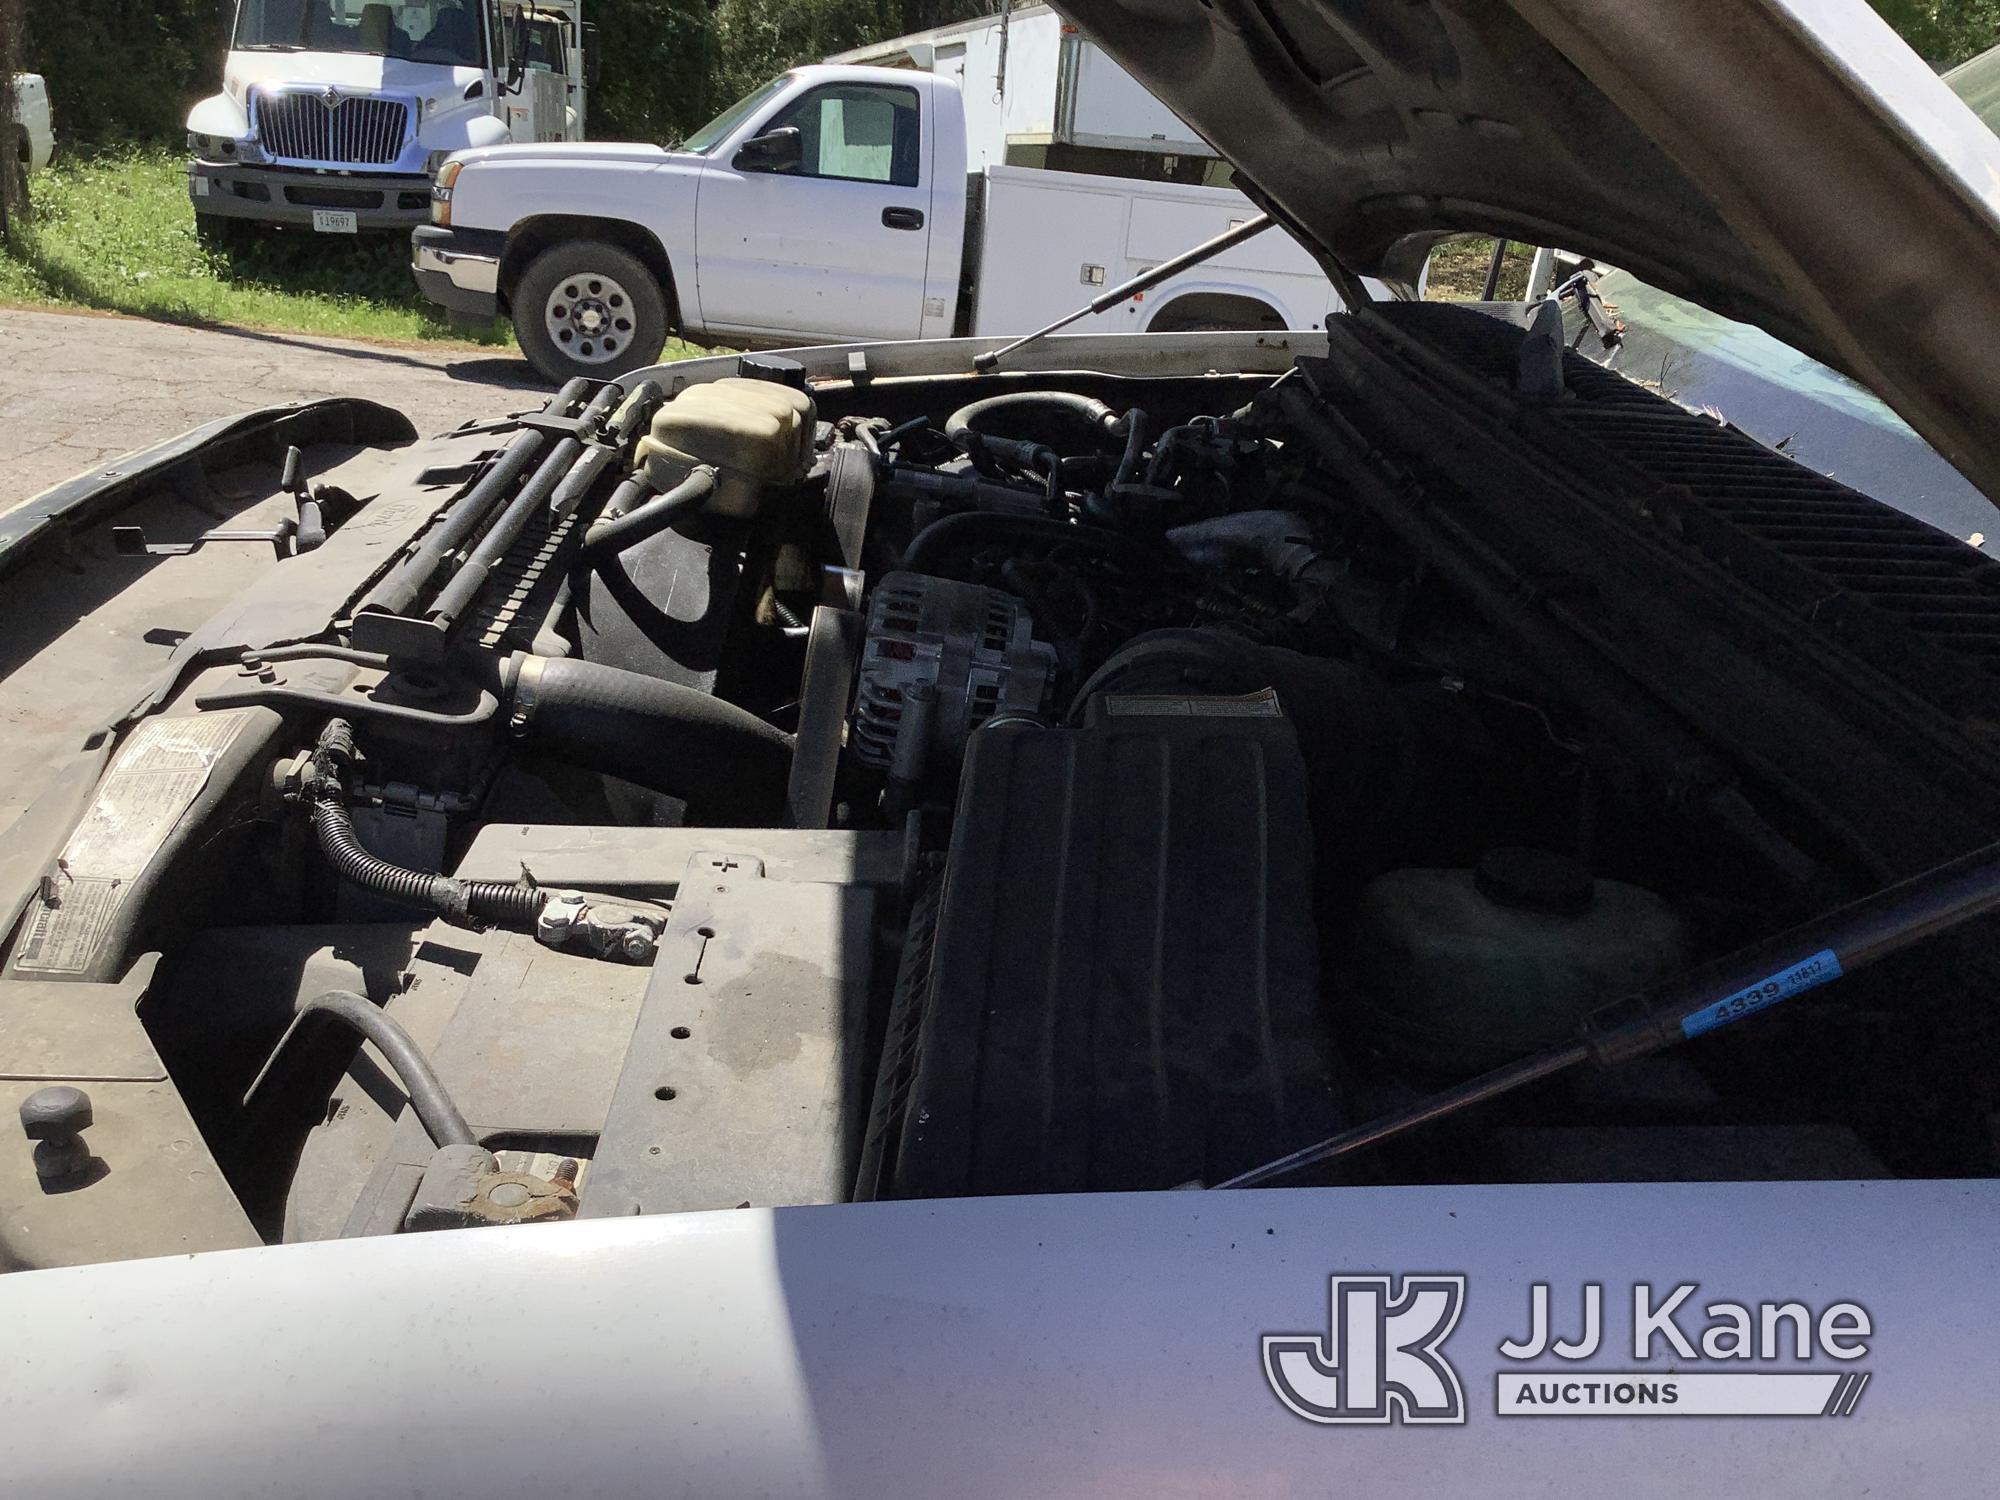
point(1944, 33)
point(10, 64)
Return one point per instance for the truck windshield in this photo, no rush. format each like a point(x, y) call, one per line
point(707, 138)
point(433, 31)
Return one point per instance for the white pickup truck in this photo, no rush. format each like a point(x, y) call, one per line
point(834, 203)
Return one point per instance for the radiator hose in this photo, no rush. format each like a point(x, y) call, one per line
point(465, 903)
point(967, 428)
point(728, 765)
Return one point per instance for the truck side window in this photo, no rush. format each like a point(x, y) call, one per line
point(860, 132)
point(545, 46)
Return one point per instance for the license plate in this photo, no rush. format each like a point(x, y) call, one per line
point(335, 221)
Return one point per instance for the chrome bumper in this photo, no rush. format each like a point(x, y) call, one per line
point(467, 272)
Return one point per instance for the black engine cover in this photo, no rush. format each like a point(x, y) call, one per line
point(1123, 981)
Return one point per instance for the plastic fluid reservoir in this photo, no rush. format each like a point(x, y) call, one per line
point(1462, 970)
point(754, 433)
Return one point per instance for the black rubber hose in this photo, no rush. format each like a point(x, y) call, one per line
point(1135, 447)
point(440, 1116)
point(461, 901)
point(1092, 413)
point(608, 537)
point(728, 765)
point(932, 549)
point(966, 427)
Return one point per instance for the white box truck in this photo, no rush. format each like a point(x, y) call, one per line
point(1039, 93)
point(336, 114)
point(834, 203)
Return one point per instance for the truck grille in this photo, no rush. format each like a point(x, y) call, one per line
point(354, 129)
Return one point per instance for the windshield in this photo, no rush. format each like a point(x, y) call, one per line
point(706, 138)
point(433, 31)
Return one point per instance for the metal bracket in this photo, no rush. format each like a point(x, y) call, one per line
point(301, 532)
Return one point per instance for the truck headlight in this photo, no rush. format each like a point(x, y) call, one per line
point(211, 147)
point(447, 175)
point(434, 163)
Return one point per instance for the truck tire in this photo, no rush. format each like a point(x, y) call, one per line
point(587, 308)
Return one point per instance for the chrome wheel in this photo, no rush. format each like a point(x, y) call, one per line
point(589, 317)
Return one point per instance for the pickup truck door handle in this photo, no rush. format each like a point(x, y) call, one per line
point(902, 218)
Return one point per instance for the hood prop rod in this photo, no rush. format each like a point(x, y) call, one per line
point(1235, 235)
point(1718, 994)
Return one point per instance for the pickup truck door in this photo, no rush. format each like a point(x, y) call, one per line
point(836, 248)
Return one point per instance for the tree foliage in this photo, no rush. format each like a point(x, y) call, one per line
point(125, 69)
point(1944, 33)
point(130, 69)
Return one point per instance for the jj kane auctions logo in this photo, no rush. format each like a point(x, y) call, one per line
point(1382, 1358)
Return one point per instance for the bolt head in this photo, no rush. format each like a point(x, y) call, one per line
point(55, 1112)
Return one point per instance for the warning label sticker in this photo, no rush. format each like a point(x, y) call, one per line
point(158, 773)
point(64, 932)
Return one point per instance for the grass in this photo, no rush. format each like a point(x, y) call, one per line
point(1458, 269)
point(113, 231)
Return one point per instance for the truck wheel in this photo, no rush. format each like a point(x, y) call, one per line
point(591, 309)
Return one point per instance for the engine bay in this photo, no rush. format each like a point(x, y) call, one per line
point(789, 789)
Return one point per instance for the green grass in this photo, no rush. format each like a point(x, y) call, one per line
point(1458, 269)
point(114, 231)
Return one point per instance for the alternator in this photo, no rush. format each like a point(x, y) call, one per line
point(975, 646)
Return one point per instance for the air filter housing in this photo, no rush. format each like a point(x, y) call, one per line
point(1116, 985)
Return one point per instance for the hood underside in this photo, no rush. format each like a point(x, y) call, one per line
point(1786, 162)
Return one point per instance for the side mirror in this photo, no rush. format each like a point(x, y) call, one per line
point(780, 150)
point(517, 51)
point(593, 56)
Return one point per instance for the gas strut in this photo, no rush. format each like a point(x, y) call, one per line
point(1229, 239)
point(1716, 995)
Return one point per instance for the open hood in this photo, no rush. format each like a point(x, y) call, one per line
point(1786, 162)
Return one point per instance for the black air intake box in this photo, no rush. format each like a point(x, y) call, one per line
point(1122, 983)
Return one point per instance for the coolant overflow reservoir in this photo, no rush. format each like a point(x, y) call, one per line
point(1462, 970)
point(757, 435)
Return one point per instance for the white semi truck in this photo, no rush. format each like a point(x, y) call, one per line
point(334, 115)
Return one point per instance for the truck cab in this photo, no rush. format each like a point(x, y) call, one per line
point(335, 114)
